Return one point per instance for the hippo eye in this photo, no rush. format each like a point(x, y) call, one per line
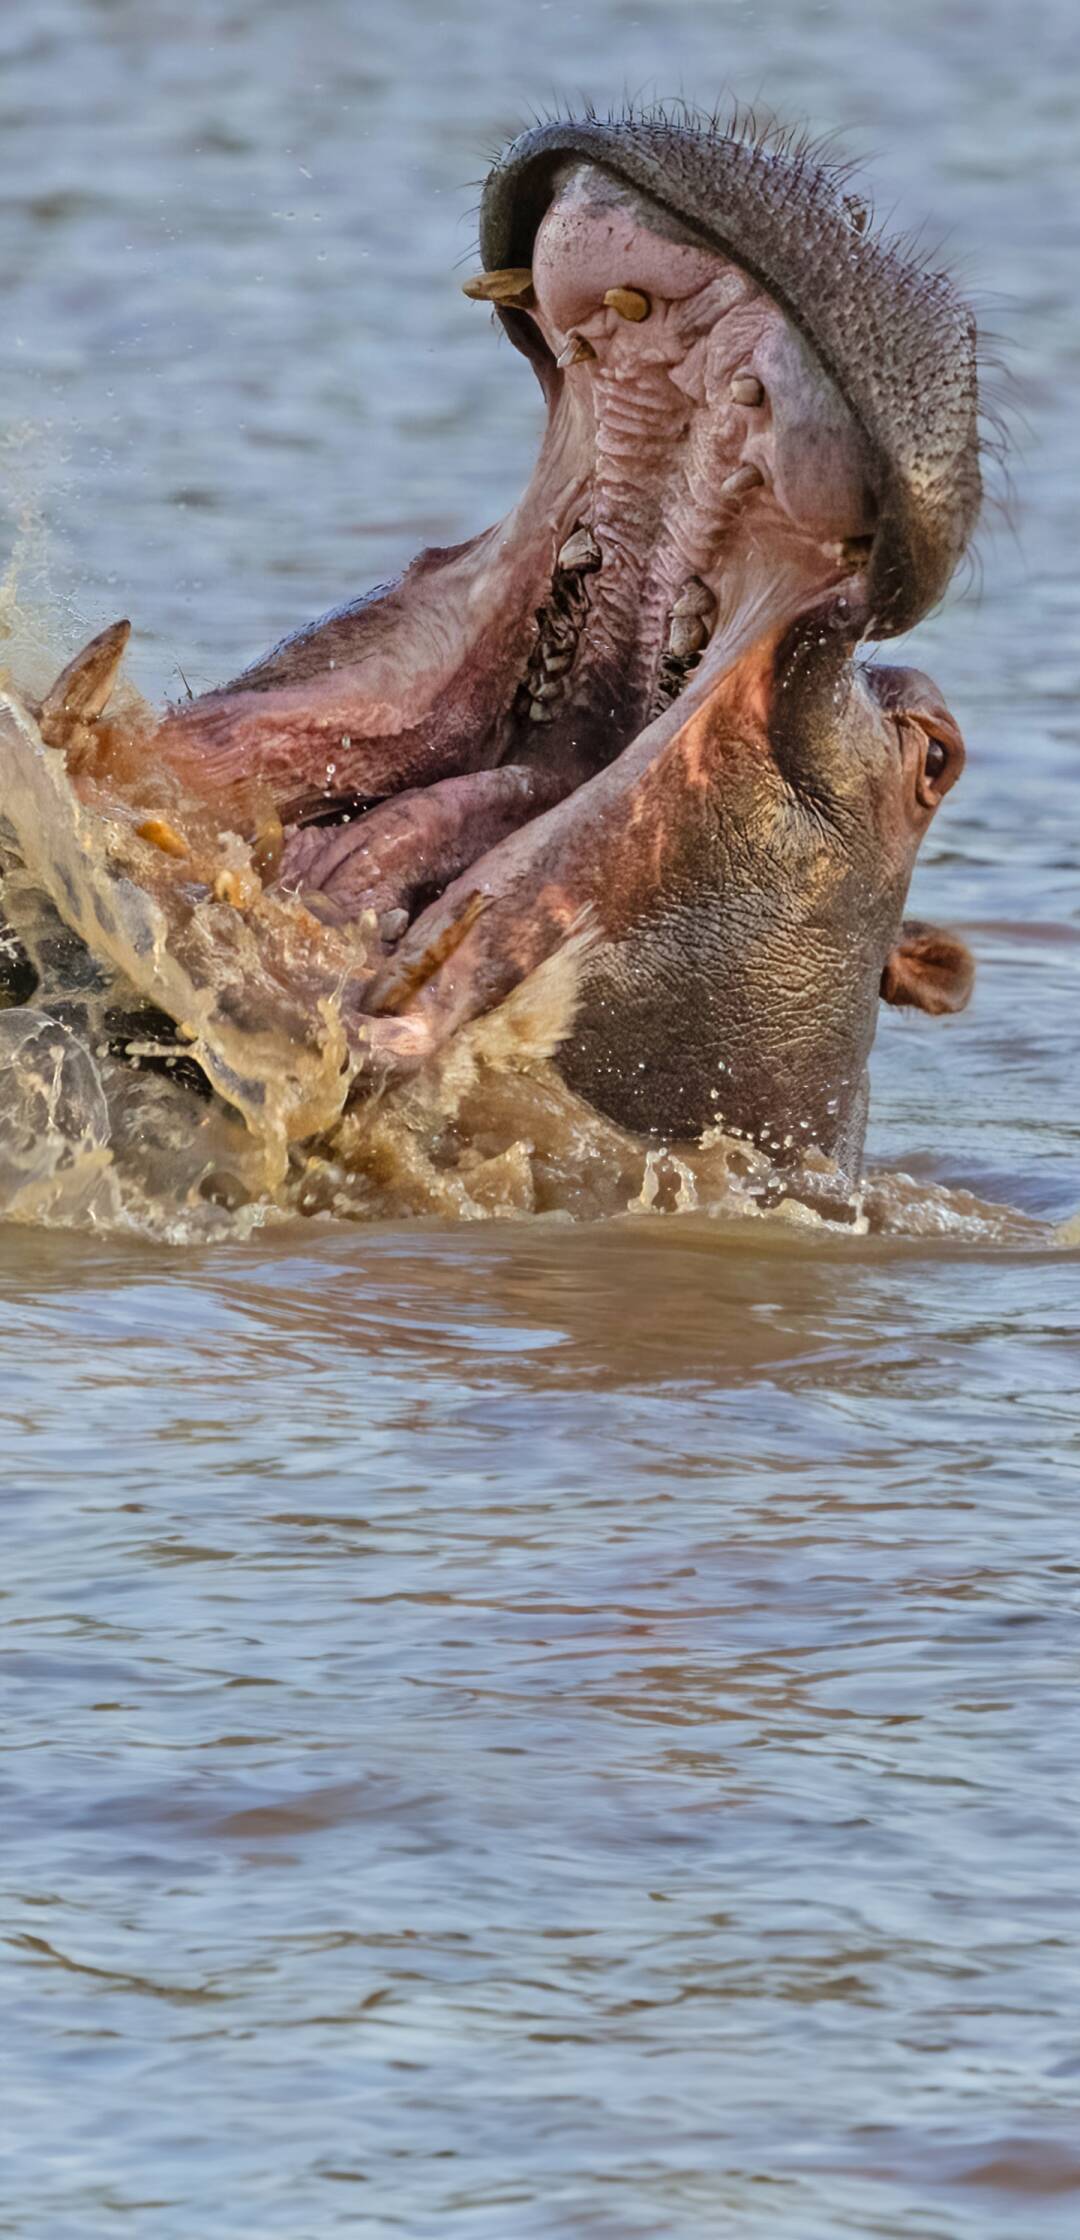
point(940, 764)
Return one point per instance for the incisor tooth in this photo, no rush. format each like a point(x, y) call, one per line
point(240, 889)
point(744, 478)
point(747, 389)
point(575, 352)
point(161, 835)
point(513, 286)
point(630, 303)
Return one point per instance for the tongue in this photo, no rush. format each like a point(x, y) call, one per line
point(408, 849)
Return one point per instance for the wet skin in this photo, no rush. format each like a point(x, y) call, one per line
point(638, 702)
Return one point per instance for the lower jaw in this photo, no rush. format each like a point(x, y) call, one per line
point(583, 701)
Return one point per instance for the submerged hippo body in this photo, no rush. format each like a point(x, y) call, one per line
point(637, 703)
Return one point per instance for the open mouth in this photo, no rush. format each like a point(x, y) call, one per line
point(628, 704)
point(701, 485)
point(755, 409)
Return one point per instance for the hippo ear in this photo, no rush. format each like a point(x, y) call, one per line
point(928, 969)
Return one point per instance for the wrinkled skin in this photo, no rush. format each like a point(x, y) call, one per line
point(639, 701)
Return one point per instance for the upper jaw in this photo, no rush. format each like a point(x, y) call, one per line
point(897, 341)
point(718, 484)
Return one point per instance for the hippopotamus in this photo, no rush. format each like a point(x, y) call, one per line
point(639, 704)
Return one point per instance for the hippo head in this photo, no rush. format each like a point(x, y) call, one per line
point(639, 702)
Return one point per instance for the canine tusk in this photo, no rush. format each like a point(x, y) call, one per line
point(513, 286)
point(83, 689)
point(416, 976)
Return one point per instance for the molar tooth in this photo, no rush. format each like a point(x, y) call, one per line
point(630, 303)
point(747, 389)
point(695, 598)
point(687, 635)
point(557, 663)
point(548, 691)
point(575, 352)
point(514, 285)
point(581, 554)
point(538, 713)
point(744, 478)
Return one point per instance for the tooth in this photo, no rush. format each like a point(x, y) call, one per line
point(744, 478)
point(550, 690)
point(557, 664)
point(687, 635)
point(695, 598)
point(538, 713)
point(392, 924)
point(747, 389)
point(580, 554)
point(514, 286)
point(82, 689)
point(417, 975)
point(240, 889)
point(577, 350)
point(630, 303)
point(161, 835)
point(268, 847)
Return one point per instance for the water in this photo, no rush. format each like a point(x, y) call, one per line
point(520, 1728)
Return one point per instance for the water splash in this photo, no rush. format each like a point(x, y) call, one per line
point(186, 1067)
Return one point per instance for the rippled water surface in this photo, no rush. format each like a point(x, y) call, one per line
point(520, 1728)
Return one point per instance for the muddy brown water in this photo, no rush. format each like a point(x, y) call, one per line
point(532, 1728)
